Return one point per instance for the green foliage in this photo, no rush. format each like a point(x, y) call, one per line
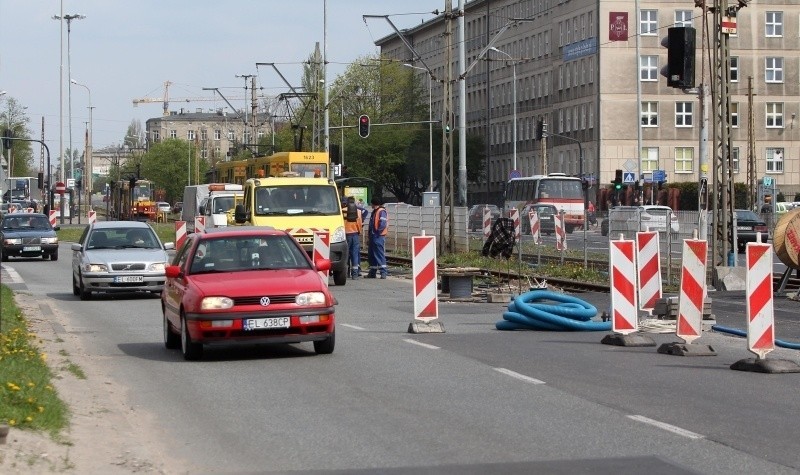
point(26, 391)
point(14, 118)
point(167, 164)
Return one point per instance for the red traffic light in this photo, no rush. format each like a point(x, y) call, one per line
point(363, 126)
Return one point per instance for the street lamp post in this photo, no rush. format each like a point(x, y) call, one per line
point(69, 19)
point(87, 167)
point(513, 100)
point(430, 122)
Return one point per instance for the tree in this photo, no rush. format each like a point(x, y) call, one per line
point(167, 165)
point(14, 119)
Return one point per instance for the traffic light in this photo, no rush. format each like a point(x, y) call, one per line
point(7, 139)
point(40, 180)
point(680, 43)
point(618, 180)
point(540, 129)
point(363, 126)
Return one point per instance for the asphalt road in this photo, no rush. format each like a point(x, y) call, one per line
point(471, 400)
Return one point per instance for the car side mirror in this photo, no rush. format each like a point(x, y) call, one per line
point(202, 209)
point(172, 271)
point(56, 228)
point(240, 215)
point(76, 246)
point(323, 265)
point(169, 245)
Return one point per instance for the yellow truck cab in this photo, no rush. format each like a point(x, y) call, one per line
point(300, 206)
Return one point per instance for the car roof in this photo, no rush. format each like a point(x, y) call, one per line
point(119, 224)
point(233, 231)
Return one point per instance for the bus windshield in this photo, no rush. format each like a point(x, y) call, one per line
point(564, 192)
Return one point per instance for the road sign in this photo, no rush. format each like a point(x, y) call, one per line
point(628, 177)
point(514, 174)
point(60, 187)
point(70, 183)
point(767, 181)
point(659, 175)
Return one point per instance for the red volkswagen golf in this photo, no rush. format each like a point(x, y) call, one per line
point(245, 285)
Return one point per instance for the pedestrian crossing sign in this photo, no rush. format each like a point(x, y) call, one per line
point(628, 177)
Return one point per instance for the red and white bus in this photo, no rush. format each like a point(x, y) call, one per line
point(562, 191)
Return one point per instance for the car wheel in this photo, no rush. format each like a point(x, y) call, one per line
point(83, 292)
point(325, 347)
point(54, 256)
point(191, 351)
point(75, 290)
point(570, 229)
point(340, 277)
point(3, 256)
point(171, 340)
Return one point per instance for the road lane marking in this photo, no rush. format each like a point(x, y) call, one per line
point(424, 345)
point(351, 326)
point(667, 427)
point(519, 376)
point(15, 277)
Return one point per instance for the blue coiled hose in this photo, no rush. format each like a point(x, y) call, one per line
point(572, 314)
point(737, 332)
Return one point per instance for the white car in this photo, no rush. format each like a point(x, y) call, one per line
point(657, 217)
point(164, 207)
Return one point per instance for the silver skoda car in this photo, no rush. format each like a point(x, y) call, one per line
point(118, 256)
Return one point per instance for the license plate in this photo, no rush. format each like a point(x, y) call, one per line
point(266, 323)
point(31, 248)
point(126, 279)
point(744, 228)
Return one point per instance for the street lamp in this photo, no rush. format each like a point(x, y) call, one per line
point(430, 120)
point(513, 100)
point(69, 19)
point(88, 165)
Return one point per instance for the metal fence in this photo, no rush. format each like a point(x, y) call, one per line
point(406, 221)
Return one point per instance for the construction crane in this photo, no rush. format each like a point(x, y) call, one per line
point(165, 99)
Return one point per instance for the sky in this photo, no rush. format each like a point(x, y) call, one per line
point(125, 50)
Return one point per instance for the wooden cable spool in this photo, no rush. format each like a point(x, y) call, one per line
point(786, 239)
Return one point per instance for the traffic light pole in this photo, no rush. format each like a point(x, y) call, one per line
point(47, 149)
point(584, 190)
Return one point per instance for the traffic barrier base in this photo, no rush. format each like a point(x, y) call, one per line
point(686, 349)
point(631, 339)
point(766, 365)
point(433, 326)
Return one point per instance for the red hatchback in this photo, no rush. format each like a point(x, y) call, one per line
point(245, 285)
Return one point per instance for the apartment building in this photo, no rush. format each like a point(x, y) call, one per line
point(590, 71)
point(218, 134)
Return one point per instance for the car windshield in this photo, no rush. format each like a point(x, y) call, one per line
point(300, 199)
point(122, 238)
point(746, 215)
point(247, 253)
point(27, 223)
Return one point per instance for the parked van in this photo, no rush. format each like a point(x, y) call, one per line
point(212, 200)
point(300, 206)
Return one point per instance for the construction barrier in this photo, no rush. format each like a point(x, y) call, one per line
point(322, 250)
point(693, 289)
point(648, 261)
point(536, 231)
point(199, 224)
point(514, 215)
point(487, 222)
point(561, 234)
point(180, 234)
point(426, 301)
point(624, 305)
point(760, 305)
point(53, 217)
point(92, 216)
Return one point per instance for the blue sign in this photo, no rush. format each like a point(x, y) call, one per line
point(659, 175)
point(628, 177)
point(580, 49)
point(514, 174)
point(767, 180)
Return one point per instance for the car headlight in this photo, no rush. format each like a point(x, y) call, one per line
point(216, 303)
point(49, 240)
point(338, 235)
point(157, 267)
point(310, 298)
point(13, 241)
point(94, 268)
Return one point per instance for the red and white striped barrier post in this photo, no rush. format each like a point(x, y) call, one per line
point(199, 224)
point(648, 260)
point(624, 305)
point(514, 215)
point(53, 217)
point(760, 305)
point(322, 250)
point(693, 289)
point(91, 215)
point(533, 218)
point(487, 222)
point(180, 234)
point(426, 298)
point(561, 235)
point(426, 301)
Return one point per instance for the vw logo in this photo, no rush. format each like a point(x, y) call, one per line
point(264, 301)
